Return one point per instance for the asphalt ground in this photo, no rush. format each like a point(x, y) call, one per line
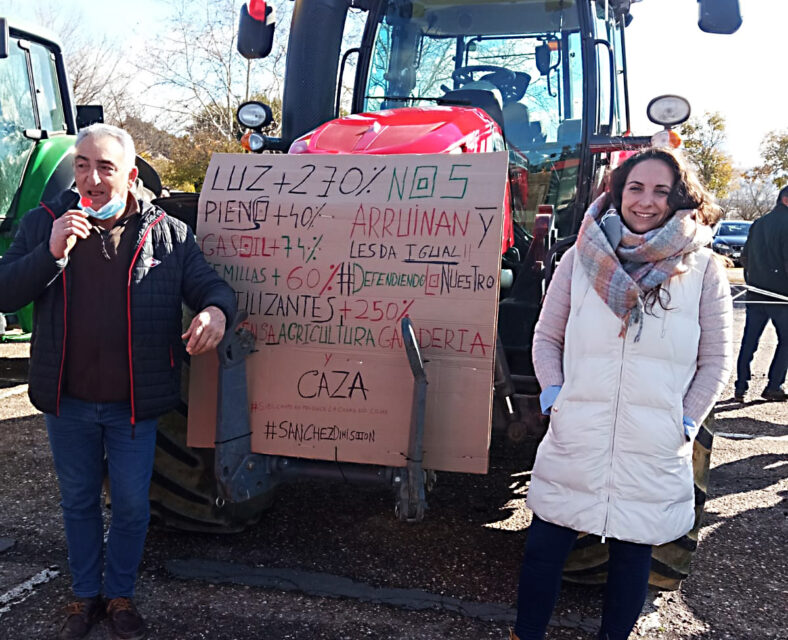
point(329, 561)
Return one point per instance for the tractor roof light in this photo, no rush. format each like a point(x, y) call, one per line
point(254, 115)
point(668, 110)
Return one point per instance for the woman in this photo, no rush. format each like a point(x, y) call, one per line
point(632, 348)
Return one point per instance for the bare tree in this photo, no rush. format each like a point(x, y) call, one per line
point(752, 196)
point(197, 66)
point(96, 67)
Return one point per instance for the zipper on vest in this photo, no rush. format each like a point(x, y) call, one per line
point(613, 434)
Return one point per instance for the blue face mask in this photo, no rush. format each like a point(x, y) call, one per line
point(109, 210)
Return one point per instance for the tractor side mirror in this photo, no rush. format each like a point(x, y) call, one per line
point(542, 56)
point(719, 16)
point(88, 114)
point(256, 29)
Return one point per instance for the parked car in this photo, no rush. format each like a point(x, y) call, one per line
point(730, 237)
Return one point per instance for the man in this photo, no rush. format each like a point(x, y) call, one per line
point(765, 260)
point(107, 273)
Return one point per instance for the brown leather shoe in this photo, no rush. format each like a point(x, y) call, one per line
point(125, 622)
point(81, 615)
point(774, 395)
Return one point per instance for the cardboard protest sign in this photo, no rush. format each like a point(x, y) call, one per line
point(328, 253)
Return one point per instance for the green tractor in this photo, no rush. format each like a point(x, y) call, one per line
point(38, 123)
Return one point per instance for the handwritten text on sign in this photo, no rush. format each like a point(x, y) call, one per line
point(327, 254)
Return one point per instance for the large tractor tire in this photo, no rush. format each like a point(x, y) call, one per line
point(670, 563)
point(183, 492)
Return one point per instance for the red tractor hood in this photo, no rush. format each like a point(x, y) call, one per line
point(406, 130)
point(411, 130)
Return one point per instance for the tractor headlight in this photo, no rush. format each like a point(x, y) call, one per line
point(254, 115)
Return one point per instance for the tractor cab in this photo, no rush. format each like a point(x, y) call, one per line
point(548, 75)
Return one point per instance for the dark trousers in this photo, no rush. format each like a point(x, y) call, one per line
point(546, 550)
point(757, 317)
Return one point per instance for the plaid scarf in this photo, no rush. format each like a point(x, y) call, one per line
point(623, 266)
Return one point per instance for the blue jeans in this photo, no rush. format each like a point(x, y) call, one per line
point(757, 317)
point(546, 550)
point(80, 438)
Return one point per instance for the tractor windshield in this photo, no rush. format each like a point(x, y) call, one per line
point(16, 115)
point(526, 54)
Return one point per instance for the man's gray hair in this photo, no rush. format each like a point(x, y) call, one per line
point(101, 130)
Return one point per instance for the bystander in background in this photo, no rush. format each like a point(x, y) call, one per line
point(765, 262)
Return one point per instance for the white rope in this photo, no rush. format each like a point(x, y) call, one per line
point(780, 299)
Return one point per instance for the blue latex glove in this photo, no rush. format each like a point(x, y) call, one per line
point(547, 398)
point(690, 429)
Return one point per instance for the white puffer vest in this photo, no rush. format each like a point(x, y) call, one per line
point(615, 460)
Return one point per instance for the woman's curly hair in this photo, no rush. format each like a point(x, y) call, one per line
point(687, 191)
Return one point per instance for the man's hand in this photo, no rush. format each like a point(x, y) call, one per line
point(205, 331)
point(66, 230)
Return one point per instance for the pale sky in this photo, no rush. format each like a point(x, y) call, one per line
point(741, 75)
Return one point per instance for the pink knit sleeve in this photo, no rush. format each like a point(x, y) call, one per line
point(548, 344)
point(715, 350)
